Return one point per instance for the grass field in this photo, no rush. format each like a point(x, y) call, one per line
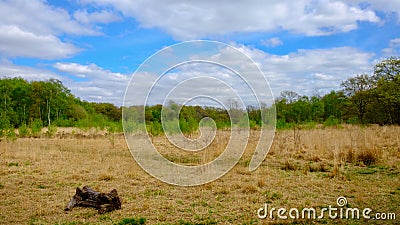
point(304, 168)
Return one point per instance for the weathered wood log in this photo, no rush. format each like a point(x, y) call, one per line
point(87, 197)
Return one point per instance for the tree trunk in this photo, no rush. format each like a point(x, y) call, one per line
point(48, 113)
point(87, 197)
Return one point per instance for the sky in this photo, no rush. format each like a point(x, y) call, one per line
point(95, 46)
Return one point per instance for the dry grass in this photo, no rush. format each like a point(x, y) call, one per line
point(309, 168)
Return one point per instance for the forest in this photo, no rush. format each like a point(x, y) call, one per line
point(363, 99)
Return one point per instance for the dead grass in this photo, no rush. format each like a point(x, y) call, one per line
point(305, 168)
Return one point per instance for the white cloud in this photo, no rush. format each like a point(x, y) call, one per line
point(304, 71)
point(394, 43)
point(98, 84)
point(104, 16)
point(207, 18)
point(32, 28)
point(37, 17)
point(393, 49)
point(386, 6)
point(16, 42)
point(7, 69)
point(307, 70)
point(272, 42)
point(326, 17)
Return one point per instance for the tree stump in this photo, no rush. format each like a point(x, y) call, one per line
point(87, 197)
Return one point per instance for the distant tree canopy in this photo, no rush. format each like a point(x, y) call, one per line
point(49, 102)
point(376, 98)
point(363, 99)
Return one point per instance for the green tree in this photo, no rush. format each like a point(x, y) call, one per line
point(317, 109)
point(385, 96)
point(111, 111)
point(357, 89)
point(387, 69)
point(335, 104)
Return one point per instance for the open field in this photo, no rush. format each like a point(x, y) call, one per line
point(304, 168)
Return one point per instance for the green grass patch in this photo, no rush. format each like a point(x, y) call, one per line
point(151, 193)
point(131, 221)
point(367, 171)
point(272, 196)
point(13, 164)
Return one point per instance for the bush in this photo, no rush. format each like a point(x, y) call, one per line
point(331, 121)
point(368, 157)
point(10, 134)
point(51, 130)
point(24, 131)
point(154, 128)
point(281, 124)
point(189, 125)
point(36, 127)
point(171, 126)
point(130, 127)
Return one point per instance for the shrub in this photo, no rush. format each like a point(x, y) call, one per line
point(130, 127)
point(10, 134)
point(289, 165)
point(331, 121)
point(281, 124)
point(368, 157)
point(154, 128)
point(36, 127)
point(24, 131)
point(51, 130)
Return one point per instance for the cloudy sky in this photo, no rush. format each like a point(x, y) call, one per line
point(94, 46)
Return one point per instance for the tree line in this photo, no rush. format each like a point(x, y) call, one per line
point(363, 99)
point(48, 103)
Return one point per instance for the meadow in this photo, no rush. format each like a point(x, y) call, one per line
point(306, 167)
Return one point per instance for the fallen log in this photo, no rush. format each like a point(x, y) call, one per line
point(87, 197)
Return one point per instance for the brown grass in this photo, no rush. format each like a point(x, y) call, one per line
point(309, 168)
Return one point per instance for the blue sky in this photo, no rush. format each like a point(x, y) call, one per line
point(94, 46)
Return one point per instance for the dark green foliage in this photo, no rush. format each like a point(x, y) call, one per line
point(111, 111)
point(4, 126)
